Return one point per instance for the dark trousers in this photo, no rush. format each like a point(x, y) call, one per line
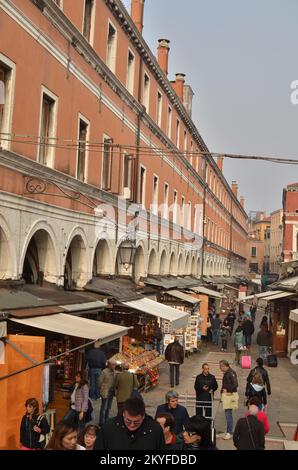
point(247, 340)
point(174, 370)
point(204, 406)
point(224, 343)
point(106, 404)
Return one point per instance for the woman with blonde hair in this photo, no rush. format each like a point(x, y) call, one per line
point(256, 388)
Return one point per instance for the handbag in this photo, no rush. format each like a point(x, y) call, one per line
point(135, 392)
point(90, 412)
point(230, 400)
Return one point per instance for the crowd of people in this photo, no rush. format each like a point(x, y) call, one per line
point(171, 428)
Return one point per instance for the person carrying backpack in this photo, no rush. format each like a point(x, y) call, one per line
point(34, 427)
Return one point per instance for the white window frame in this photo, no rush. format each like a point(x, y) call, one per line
point(159, 108)
point(143, 196)
point(182, 216)
point(112, 65)
point(104, 137)
point(185, 142)
point(81, 117)
point(7, 121)
point(92, 22)
point(189, 207)
point(169, 121)
point(130, 77)
point(126, 154)
point(178, 130)
point(146, 96)
point(51, 150)
point(155, 196)
point(166, 189)
point(175, 207)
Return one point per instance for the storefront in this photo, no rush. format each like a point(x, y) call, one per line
point(190, 335)
point(293, 332)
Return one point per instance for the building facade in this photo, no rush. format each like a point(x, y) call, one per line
point(258, 243)
point(98, 146)
point(276, 241)
point(290, 223)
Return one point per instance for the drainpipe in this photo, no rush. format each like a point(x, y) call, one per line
point(136, 195)
point(204, 215)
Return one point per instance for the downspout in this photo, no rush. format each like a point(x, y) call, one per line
point(136, 195)
point(204, 215)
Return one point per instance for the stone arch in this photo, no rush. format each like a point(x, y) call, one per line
point(8, 259)
point(187, 269)
point(173, 264)
point(76, 273)
point(153, 268)
point(194, 267)
point(102, 259)
point(199, 264)
point(206, 271)
point(40, 259)
point(180, 265)
point(139, 264)
point(163, 265)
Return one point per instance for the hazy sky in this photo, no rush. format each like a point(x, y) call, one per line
point(240, 57)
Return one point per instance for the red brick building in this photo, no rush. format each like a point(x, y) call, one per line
point(89, 116)
point(290, 223)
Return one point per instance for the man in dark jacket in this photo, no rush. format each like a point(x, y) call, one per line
point(96, 360)
point(229, 385)
point(259, 369)
point(249, 434)
point(248, 330)
point(215, 327)
point(134, 430)
point(178, 412)
point(205, 386)
point(174, 354)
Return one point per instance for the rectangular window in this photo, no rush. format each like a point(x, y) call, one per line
point(191, 153)
point(81, 163)
point(159, 108)
point(146, 92)
point(175, 208)
point(127, 176)
point(185, 143)
point(47, 130)
point(143, 186)
point(130, 72)
point(177, 133)
point(107, 163)
point(253, 251)
point(88, 13)
point(195, 223)
point(182, 211)
point(6, 99)
point(169, 123)
point(166, 202)
point(155, 195)
point(189, 216)
point(112, 46)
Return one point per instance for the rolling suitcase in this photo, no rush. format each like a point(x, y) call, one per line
point(246, 362)
point(272, 360)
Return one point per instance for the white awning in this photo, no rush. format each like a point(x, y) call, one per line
point(294, 315)
point(181, 295)
point(97, 305)
point(177, 318)
point(76, 326)
point(280, 295)
point(209, 292)
point(262, 295)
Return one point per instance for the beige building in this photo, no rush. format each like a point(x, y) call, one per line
point(276, 241)
point(258, 243)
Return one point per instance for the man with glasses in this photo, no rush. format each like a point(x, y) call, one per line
point(205, 386)
point(133, 430)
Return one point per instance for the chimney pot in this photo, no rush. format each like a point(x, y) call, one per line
point(220, 162)
point(235, 188)
point(163, 54)
point(137, 13)
point(178, 84)
point(242, 200)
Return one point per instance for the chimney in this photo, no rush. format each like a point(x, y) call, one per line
point(235, 188)
point(242, 200)
point(163, 54)
point(178, 84)
point(187, 98)
point(137, 13)
point(220, 162)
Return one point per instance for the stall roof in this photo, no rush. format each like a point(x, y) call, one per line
point(35, 312)
point(294, 315)
point(181, 295)
point(290, 283)
point(262, 295)
point(61, 296)
point(18, 299)
point(120, 289)
point(204, 290)
point(177, 318)
point(171, 282)
point(279, 295)
point(96, 305)
point(76, 326)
